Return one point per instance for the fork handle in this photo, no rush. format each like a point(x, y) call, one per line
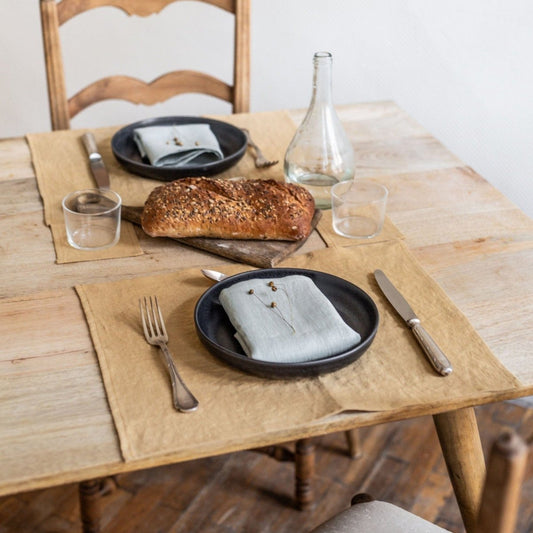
point(184, 400)
point(260, 159)
point(258, 152)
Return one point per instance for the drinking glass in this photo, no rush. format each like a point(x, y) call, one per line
point(92, 218)
point(358, 208)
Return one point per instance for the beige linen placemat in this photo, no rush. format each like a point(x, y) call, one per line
point(61, 166)
point(232, 404)
point(393, 373)
point(273, 132)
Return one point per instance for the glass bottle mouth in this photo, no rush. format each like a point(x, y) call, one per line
point(323, 55)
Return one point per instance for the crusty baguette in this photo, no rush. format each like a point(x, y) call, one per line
point(225, 209)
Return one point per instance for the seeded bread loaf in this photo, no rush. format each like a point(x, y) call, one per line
point(247, 209)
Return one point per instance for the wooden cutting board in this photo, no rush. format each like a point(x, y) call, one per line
point(263, 254)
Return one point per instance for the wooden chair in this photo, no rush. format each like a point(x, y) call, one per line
point(497, 511)
point(62, 109)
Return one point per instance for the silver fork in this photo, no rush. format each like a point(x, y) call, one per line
point(260, 159)
point(156, 334)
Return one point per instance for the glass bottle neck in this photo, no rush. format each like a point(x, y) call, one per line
point(322, 78)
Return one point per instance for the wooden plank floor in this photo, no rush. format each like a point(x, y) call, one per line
point(250, 492)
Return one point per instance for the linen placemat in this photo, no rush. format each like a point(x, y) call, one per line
point(273, 132)
point(389, 232)
point(61, 166)
point(395, 373)
point(392, 374)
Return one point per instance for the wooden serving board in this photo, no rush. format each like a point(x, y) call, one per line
point(263, 254)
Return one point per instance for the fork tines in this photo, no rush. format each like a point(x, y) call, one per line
point(152, 318)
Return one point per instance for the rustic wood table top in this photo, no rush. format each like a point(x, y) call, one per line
point(56, 424)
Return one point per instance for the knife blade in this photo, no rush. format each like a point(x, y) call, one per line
point(435, 355)
point(95, 161)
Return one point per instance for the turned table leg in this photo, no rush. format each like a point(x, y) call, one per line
point(90, 493)
point(304, 461)
point(461, 446)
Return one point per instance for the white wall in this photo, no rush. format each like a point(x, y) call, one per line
point(462, 68)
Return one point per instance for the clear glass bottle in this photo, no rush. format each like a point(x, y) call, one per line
point(320, 153)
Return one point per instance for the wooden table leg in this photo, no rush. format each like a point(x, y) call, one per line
point(461, 446)
point(304, 462)
point(90, 493)
point(354, 443)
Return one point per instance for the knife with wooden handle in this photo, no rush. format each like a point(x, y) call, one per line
point(435, 355)
point(95, 161)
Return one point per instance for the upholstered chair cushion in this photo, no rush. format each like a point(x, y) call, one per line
point(377, 517)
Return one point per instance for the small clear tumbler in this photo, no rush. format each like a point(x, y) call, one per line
point(92, 218)
point(358, 208)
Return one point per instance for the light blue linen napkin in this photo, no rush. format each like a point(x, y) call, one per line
point(286, 320)
point(176, 146)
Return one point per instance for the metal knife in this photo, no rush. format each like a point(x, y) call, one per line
point(214, 275)
point(95, 161)
point(435, 355)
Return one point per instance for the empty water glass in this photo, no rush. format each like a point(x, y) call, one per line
point(358, 208)
point(92, 218)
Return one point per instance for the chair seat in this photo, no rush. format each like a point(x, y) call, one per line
point(377, 517)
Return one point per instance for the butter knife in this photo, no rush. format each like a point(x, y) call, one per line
point(95, 161)
point(214, 275)
point(435, 355)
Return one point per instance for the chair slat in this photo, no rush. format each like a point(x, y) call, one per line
point(139, 92)
point(142, 8)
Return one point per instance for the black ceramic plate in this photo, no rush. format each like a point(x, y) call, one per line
point(353, 304)
point(231, 139)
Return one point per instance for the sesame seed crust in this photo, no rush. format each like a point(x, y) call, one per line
point(224, 209)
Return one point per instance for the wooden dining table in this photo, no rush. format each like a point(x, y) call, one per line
point(56, 425)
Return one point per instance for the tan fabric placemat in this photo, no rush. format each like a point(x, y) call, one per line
point(61, 166)
point(389, 232)
point(393, 373)
point(272, 131)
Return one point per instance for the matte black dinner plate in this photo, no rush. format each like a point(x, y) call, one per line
point(353, 304)
point(231, 139)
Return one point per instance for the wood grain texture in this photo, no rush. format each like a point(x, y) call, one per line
point(70, 8)
point(55, 77)
point(400, 463)
point(241, 58)
point(14, 160)
point(139, 92)
point(63, 108)
point(461, 447)
point(56, 426)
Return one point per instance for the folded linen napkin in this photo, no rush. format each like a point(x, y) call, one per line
point(286, 320)
point(176, 146)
